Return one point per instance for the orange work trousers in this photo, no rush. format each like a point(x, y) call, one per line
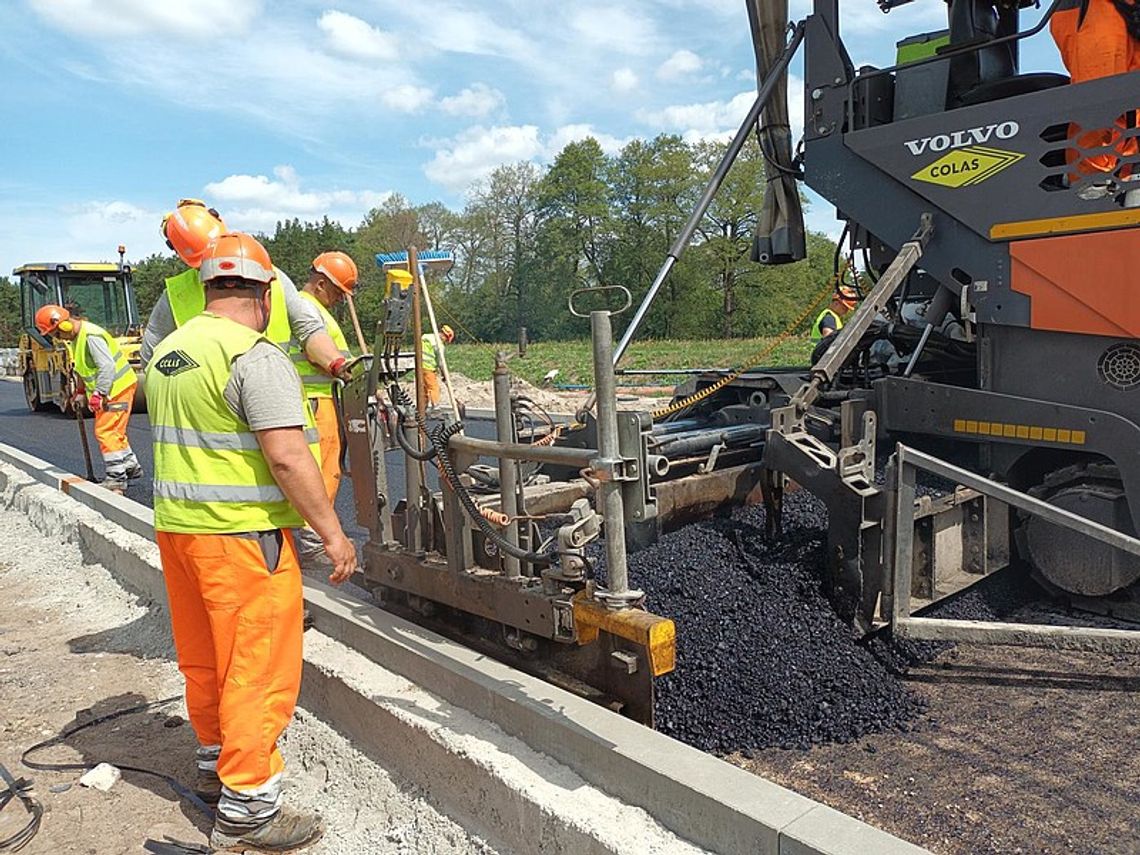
point(324, 414)
point(431, 387)
point(111, 424)
point(237, 629)
point(1098, 46)
point(111, 434)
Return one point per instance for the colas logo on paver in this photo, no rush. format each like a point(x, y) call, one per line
point(965, 167)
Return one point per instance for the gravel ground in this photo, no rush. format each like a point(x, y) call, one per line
point(74, 645)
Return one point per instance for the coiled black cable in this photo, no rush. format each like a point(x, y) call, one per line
point(403, 402)
point(439, 439)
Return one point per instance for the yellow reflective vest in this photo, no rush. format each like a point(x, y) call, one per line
point(816, 332)
point(317, 383)
point(431, 346)
point(210, 476)
point(124, 375)
point(188, 299)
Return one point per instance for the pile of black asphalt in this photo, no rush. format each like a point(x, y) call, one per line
point(762, 659)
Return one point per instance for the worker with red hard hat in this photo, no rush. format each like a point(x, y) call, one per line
point(109, 382)
point(332, 277)
point(235, 458)
point(188, 230)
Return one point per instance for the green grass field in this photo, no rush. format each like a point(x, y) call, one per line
point(573, 359)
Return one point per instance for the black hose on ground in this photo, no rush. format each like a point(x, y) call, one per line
point(180, 789)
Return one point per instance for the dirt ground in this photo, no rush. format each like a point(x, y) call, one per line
point(1022, 751)
point(74, 646)
point(478, 394)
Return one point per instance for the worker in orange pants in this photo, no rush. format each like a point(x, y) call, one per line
point(235, 471)
point(1095, 41)
point(109, 381)
point(236, 611)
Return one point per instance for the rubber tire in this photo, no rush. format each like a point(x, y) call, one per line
point(32, 398)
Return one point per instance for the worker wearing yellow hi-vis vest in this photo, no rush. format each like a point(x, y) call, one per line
point(830, 320)
point(432, 347)
point(332, 276)
point(109, 381)
point(235, 470)
point(188, 230)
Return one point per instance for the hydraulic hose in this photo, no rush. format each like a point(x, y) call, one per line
point(402, 401)
point(439, 439)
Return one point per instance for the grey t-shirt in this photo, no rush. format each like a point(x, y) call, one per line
point(304, 318)
point(100, 356)
point(264, 390)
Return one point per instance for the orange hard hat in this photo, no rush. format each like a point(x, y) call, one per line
point(448, 334)
point(236, 255)
point(189, 228)
point(338, 268)
point(49, 317)
point(847, 295)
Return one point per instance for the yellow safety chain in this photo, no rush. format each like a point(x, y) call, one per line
point(789, 330)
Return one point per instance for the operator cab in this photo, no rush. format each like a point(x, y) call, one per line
point(989, 72)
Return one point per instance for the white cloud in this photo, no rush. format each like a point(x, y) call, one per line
point(257, 202)
point(405, 98)
point(567, 134)
point(614, 30)
point(476, 152)
point(348, 35)
point(86, 231)
point(683, 62)
point(720, 119)
point(128, 18)
point(477, 100)
point(623, 80)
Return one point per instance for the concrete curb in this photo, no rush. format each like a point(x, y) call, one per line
point(696, 796)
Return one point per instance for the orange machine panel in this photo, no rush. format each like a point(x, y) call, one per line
point(1084, 283)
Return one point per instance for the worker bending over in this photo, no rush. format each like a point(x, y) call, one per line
point(332, 276)
point(1099, 38)
point(432, 347)
point(109, 382)
point(188, 229)
point(235, 458)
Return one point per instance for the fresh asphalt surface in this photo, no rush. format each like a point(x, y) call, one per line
point(53, 437)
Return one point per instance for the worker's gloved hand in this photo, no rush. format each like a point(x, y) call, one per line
point(339, 368)
point(342, 554)
point(96, 402)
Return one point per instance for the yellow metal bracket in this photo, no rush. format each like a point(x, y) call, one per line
point(658, 635)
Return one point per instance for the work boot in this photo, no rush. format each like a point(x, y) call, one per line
point(114, 485)
point(208, 787)
point(287, 831)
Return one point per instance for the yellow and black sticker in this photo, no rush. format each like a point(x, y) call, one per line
point(965, 167)
point(1033, 433)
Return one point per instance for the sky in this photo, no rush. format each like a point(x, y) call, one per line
point(115, 109)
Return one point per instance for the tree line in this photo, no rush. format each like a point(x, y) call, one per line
point(526, 237)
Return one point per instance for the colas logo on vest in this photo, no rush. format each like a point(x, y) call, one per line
point(961, 139)
point(175, 363)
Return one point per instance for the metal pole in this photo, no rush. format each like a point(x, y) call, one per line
point(617, 594)
point(677, 250)
point(508, 469)
point(413, 476)
point(422, 282)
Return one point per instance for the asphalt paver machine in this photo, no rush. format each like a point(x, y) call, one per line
point(501, 577)
point(996, 345)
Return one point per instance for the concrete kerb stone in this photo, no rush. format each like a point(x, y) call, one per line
point(699, 797)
